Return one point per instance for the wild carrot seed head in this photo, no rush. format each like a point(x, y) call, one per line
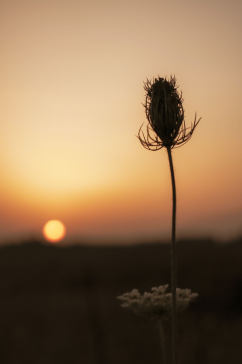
point(165, 115)
point(157, 303)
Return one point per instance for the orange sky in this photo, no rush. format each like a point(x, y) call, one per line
point(71, 96)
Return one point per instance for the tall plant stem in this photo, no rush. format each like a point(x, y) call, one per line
point(173, 260)
point(162, 342)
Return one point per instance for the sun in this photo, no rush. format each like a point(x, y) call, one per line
point(54, 231)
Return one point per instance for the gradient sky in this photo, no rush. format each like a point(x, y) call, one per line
point(71, 96)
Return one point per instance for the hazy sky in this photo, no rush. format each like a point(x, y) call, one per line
point(71, 96)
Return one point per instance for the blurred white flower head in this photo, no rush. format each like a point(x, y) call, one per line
point(157, 303)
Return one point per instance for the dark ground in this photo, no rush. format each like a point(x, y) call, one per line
point(58, 305)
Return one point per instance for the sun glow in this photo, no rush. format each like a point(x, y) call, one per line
point(54, 231)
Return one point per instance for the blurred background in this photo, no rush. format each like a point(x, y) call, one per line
point(71, 95)
point(59, 305)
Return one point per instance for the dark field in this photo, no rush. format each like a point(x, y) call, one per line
point(58, 305)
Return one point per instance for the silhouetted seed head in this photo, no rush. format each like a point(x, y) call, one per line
point(165, 115)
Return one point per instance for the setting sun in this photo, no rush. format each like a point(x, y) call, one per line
point(54, 230)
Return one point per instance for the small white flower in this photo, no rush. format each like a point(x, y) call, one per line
point(157, 303)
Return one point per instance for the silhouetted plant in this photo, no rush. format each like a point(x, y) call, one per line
point(166, 129)
point(165, 114)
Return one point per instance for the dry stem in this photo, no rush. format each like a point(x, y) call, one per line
point(173, 260)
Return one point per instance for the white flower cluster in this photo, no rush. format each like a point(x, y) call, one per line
point(157, 303)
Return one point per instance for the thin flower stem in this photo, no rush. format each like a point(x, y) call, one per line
point(162, 342)
point(173, 260)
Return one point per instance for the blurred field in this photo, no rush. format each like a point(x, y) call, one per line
point(58, 305)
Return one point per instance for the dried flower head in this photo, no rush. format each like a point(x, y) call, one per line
point(165, 114)
point(157, 303)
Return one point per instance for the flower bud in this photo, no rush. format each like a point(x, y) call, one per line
point(164, 109)
point(165, 115)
